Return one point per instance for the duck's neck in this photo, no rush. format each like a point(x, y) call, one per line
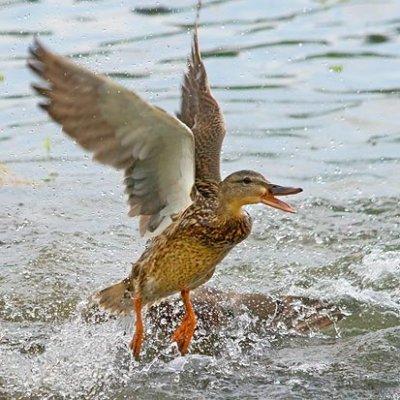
point(230, 208)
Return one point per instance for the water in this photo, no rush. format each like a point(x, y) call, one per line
point(310, 91)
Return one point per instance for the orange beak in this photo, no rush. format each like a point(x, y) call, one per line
point(274, 190)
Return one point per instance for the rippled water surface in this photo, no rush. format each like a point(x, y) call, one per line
point(310, 90)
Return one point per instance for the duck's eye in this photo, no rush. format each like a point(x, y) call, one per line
point(246, 180)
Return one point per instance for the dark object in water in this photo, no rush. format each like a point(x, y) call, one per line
point(219, 311)
point(289, 313)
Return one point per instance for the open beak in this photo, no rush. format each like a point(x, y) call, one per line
point(274, 190)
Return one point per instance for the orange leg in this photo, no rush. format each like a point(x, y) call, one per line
point(137, 339)
point(184, 333)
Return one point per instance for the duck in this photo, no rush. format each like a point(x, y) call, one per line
point(191, 216)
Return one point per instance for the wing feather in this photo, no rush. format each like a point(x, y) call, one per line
point(201, 112)
point(154, 148)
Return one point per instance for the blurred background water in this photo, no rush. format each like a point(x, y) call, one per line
point(310, 91)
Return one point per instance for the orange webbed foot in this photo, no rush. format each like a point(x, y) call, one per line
point(184, 333)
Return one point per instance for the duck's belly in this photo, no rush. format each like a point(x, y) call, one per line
point(183, 265)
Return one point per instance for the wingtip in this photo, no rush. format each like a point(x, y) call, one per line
point(40, 90)
point(34, 66)
point(36, 49)
point(44, 106)
point(195, 46)
point(33, 48)
point(196, 55)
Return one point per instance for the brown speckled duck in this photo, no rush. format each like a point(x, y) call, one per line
point(172, 179)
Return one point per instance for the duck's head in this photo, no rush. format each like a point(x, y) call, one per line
point(250, 187)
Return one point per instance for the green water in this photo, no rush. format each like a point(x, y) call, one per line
point(310, 91)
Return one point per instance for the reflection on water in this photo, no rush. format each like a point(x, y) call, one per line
point(310, 92)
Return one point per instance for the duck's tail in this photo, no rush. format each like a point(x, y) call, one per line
point(116, 299)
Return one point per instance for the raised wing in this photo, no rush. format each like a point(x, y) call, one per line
point(201, 112)
point(122, 130)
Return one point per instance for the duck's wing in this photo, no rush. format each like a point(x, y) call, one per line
point(201, 112)
point(122, 130)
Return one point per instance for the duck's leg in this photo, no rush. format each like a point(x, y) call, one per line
point(137, 338)
point(184, 333)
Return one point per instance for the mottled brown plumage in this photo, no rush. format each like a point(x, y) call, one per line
point(196, 222)
point(204, 232)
